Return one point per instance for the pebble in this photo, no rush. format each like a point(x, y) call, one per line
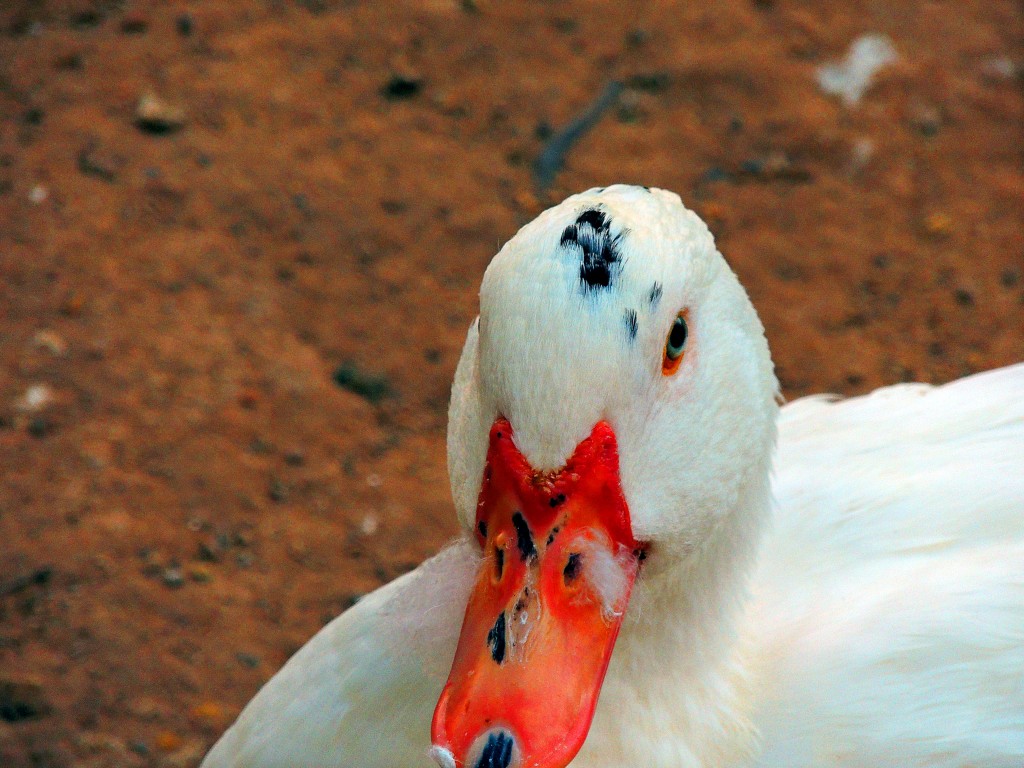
point(38, 194)
point(184, 25)
point(50, 342)
point(172, 577)
point(95, 161)
point(156, 115)
point(247, 659)
point(402, 86)
point(998, 68)
point(369, 524)
point(36, 397)
point(22, 700)
point(850, 78)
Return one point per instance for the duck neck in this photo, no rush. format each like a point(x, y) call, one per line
point(676, 693)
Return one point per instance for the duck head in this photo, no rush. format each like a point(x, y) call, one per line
point(612, 404)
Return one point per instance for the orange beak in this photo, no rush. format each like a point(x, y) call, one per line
point(559, 564)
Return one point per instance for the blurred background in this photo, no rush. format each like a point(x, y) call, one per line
point(240, 245)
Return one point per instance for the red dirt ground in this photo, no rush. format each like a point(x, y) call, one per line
point(188, 495)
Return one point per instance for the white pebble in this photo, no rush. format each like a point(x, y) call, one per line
point(850, 78)
point(369, 525)
point(35, 397)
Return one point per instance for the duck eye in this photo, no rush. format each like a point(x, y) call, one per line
point(675, 345)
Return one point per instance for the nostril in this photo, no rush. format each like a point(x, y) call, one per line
point(497, 752)
point(499, 563)
point(572, 568)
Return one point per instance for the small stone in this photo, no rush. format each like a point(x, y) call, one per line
point(200, 575)
point(138, 747)
point(209, 552)
point(94, 161)
point(369, 524)
point(184, 25)
point(134, 24)
point(40, 427)
point(927, 119)
point(36, 397)
point(38, 194)
point(172, 577)
point(998, 69)
point(22, 700)
point(155, 115)
point(402, 86)
point(247, 659)
point(277, 491)
point(964, 297)
point(51, 342)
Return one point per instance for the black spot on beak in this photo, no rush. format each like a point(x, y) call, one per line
point(524, 539)
point(497, 751)
point(496, 639)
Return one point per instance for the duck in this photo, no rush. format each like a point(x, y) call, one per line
point(660, 564)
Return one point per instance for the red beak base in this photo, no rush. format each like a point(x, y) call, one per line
point(559, 564)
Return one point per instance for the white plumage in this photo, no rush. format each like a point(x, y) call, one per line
point(873, 615)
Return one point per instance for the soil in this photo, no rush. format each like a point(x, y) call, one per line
point(231, 313)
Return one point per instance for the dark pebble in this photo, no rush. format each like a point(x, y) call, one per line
point(247, 659)
point(368, 386)
point(22, 700)
point(184, 25)
point(278, 491)
point(964, 297)
point(402, 87)
point(40, 427)
point(172, 577)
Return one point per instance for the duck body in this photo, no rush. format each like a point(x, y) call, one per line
point(850, 594)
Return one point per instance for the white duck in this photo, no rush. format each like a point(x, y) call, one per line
point(879, 621)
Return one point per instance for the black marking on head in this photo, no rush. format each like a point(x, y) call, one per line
point(600, 261)
point(497, 751)
point(524, 539)
point(632, 324)
point(496, 639)
point(572, 568)
point(655, 295)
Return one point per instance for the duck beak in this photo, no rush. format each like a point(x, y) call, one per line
point(559, 564)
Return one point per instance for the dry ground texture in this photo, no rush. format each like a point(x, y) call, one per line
point(230, 314)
